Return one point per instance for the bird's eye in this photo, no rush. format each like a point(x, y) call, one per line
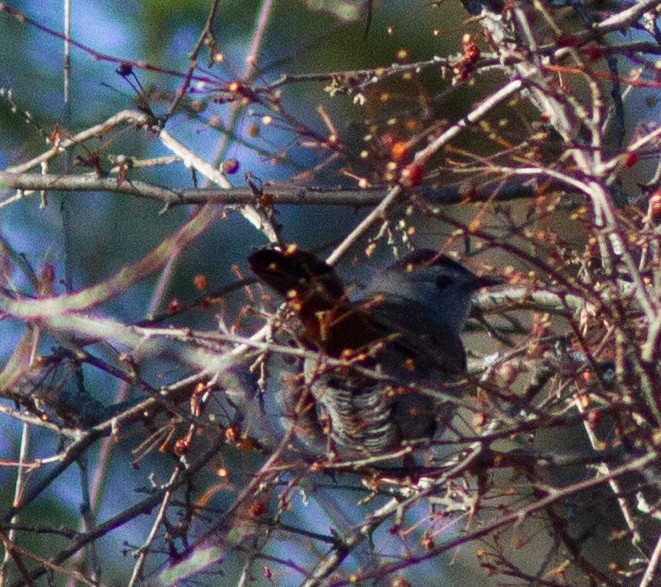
point(443, 281)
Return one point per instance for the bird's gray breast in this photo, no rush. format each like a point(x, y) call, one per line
point(421, 364)
point(354, 409)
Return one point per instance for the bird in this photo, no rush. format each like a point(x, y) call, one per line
point(399, 357)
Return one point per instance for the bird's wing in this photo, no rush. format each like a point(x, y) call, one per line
point(431, 346)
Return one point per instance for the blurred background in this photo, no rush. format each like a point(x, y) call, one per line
point(84, 238)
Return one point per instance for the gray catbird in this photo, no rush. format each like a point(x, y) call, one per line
point(404, 327)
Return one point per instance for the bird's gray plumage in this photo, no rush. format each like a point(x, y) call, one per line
point(404, 326)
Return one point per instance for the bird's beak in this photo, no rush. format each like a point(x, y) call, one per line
point(487, 281)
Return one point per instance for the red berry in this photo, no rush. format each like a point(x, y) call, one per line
point(412, 175)
point(230, 166)
point(630, 159)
